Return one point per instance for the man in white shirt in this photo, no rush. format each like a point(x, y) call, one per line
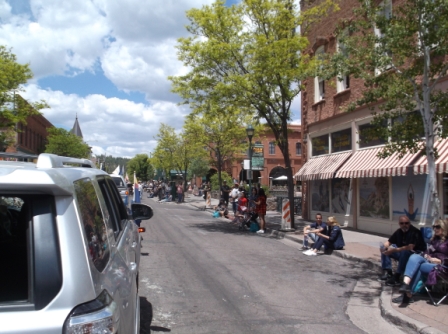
point(234, 197)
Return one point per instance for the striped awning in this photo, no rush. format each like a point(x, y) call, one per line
point(365, 163)
point(421, 166)
point(322, 167)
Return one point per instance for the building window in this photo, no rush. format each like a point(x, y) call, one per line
point(319, 145)
point(271, 148)
point(298, 148)
point(343, 80)
point(385, 10)
point(368, 137)
point(319, 83)
point(341, 141)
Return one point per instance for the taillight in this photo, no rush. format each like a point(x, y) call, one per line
point(127, 192)
point(100, 316)
point(141, 229)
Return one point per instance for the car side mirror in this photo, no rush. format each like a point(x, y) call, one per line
point(141, 211)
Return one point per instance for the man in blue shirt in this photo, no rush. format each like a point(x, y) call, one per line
point(310, 231)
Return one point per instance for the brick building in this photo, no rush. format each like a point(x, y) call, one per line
point(342, 176)
point(273, 165)
point(32, 137)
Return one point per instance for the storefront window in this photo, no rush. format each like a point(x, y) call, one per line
point(320, 196)
point(374, 197)
point(340, 196)
point(341, 141)
point(320, 145)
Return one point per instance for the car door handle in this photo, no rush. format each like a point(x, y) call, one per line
point(133, 266)
point(134, 244)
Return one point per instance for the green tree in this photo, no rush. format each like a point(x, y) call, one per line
point(216, 181)
point(64, 143)
point(402, 62)
point(250, 56)
point(199, 166)
point(174, 151)
point(13, 108)
point(142, 167)
point(222, 133)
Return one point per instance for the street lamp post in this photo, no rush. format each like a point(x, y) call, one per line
point(250, 133)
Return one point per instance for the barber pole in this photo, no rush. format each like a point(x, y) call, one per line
point(286, 217)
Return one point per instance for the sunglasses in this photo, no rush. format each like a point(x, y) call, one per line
point(404, 223)
point(436, 226)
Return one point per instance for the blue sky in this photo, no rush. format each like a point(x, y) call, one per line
point(105, 61)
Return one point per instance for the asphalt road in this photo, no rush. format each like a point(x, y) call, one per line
point(200, 274)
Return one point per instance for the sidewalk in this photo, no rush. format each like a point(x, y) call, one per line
point(419, 317)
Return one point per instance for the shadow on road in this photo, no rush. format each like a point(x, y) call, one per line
point(146, 318)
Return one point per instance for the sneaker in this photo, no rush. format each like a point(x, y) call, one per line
point(392, 281)
point(307, 251)
point(311, 253)
point(260, 231)
point(304, 248)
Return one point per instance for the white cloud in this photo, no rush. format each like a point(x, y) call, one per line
point(113, 126)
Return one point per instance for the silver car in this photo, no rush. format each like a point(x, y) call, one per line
point(69, 252)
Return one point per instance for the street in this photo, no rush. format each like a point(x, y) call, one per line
point(200, 274)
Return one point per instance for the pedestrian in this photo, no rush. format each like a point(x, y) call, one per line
point(333, 239)
point(309, 231)
point(205, 190)
point(403, 242)
point(225, 192)
point(180, 193)
point(422, 264)
point(261, 210)
point(234, 197)
point(253, 197)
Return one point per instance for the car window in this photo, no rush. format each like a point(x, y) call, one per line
point(123, 214)
point(95, 227)
point(31, 273)
point(118, 181)
point(106, 190)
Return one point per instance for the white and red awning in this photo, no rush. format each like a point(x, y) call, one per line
point(322, 167)
point(365, 163)
point(421, 166)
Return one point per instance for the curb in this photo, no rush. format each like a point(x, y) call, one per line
point(387, 311)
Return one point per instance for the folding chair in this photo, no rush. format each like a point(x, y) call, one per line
point(438, 275)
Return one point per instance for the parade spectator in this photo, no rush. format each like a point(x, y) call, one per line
point(253, 198)
point(221, 208)
point(205, 190)
point(180, 193)
point(333, 239)
point(225, 192)
point(421, 264)
point(310, 231)
point(400, 246)
point(242, 202)
point(261, 210)
point(234, 197)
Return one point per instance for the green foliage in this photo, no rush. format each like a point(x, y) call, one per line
point(64, 143)
point(142, 167)
point(251, 57)
point(13, 108)
point(401, 66)
point(110, 163)
point(198, 167)
point(214, 180)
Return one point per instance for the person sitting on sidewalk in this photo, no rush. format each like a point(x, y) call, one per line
point(422, 264)
point(332, 239)
point(400, 246)
point(310, 231)
point(221, 208)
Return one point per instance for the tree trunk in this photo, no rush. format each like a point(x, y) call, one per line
point(283, 145)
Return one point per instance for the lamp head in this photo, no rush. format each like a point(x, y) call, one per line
point(250, 131)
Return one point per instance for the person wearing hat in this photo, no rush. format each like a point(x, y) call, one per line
point(225, 191)
point(234, 197)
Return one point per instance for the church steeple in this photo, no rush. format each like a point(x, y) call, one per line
point(76, 130)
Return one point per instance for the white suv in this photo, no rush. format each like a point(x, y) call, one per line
point(69, 252)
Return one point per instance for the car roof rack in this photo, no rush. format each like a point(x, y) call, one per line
point(47, 160)
point(20, 156)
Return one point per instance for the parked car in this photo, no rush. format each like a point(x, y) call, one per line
point(122, 187)
point(69, 251)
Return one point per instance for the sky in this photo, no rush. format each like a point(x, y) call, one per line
point(105, 62)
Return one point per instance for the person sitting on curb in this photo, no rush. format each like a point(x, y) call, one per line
point(221, 208)
point(400, 246)
point(310, 231)
point(242, 207)
point(332, 239)
point(422, 264)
